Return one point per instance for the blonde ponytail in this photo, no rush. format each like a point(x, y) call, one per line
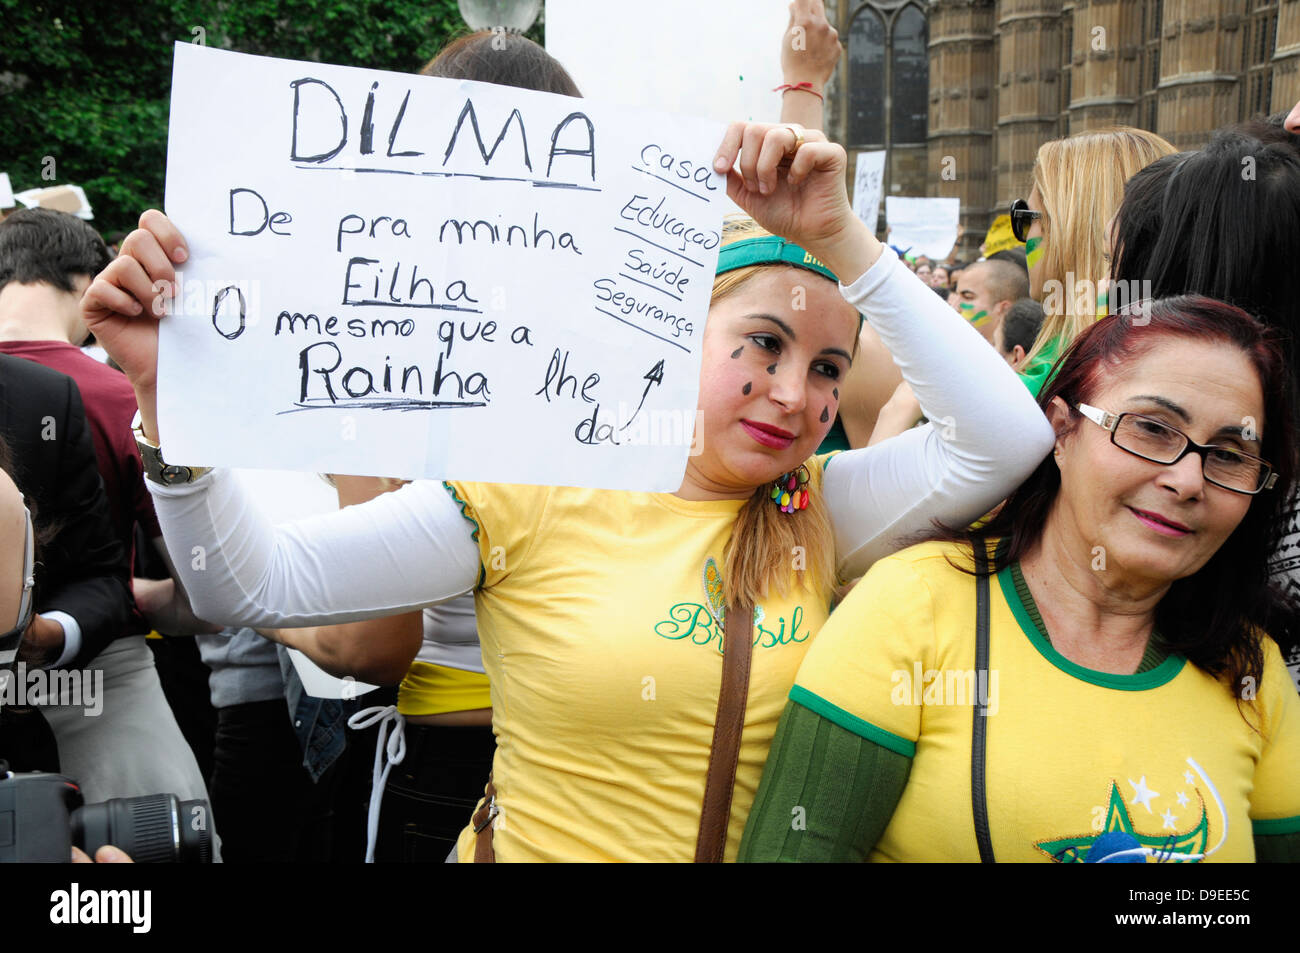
point(771, 554)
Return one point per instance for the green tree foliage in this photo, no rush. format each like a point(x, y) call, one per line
point(84, 87)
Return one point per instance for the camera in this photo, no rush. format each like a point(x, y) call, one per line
point(42, 816)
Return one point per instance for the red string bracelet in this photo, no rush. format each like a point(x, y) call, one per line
point(804, 87)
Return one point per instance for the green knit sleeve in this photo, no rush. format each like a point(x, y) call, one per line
point(827, 794)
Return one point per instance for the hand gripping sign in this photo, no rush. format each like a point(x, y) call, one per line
point(419, 277)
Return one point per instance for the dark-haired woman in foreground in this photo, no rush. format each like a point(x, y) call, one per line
point(1135, 706)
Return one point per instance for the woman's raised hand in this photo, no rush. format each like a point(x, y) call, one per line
point(797, 190)
point(810, 47)
point(124, 302)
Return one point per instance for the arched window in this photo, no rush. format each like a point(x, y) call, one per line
point(911, 79)
point(867, 79)
point(888, 55)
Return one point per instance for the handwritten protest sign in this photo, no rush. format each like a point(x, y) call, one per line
point(924, 226)
point(414, 277)
point(868, 183)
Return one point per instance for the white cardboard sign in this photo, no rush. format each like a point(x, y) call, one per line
point(283, 496)
point(868, 184)
point(923, 226)
point(404, 276)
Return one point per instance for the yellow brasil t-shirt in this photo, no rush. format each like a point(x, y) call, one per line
point(600, 616)
point(1162, 764)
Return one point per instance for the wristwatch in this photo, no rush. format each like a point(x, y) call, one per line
point(155, 467)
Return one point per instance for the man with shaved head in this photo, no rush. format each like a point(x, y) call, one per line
point(986, 291)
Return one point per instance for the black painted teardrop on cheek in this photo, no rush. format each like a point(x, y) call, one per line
point(747, 388)
point(836, 392)
point(771, 368)
point(737, 352)
point(826, 414)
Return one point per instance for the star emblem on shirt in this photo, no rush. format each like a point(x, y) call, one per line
point(1183, 799)
point(1188, 777)
point(1162, 847)
point(1142, 794)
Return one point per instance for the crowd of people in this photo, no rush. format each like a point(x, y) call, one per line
point(1043, 505)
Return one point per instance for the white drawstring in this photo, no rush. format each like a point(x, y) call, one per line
point(394, 746)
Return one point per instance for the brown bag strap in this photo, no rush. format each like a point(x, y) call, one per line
point(482, 821)
point(715, 815)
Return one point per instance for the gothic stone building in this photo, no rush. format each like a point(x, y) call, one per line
point(962, 92)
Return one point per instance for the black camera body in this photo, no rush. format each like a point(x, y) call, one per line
point(42, 816)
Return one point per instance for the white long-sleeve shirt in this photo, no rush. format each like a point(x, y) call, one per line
point(413, 548)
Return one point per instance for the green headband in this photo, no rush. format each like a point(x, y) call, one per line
point(772, 250)
point(769, 250)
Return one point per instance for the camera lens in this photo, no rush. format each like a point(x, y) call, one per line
point(196, 832)
point(156, 828)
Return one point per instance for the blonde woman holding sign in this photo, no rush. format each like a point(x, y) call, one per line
point(603, 615)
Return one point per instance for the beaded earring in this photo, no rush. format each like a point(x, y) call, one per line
point(790, 490)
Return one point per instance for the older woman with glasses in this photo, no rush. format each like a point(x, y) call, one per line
point(1093, 672)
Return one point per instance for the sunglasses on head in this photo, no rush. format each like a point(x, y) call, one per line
point(1022, 216)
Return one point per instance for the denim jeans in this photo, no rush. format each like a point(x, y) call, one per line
point(320, 724)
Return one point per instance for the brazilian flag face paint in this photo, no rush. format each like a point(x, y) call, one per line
point(1034, 250)
point(977, 318)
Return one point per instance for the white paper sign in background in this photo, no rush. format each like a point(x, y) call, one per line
point(868, 183)
point(404, 276)
point(923, 226)
point(284, 496)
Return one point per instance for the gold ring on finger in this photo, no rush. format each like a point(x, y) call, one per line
point(798, 131)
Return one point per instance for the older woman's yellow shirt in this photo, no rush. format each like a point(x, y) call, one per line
point(1162, 761)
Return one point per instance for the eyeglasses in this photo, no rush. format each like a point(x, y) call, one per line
point(9, 640)
point(1153, 440)
point(1022, 216)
